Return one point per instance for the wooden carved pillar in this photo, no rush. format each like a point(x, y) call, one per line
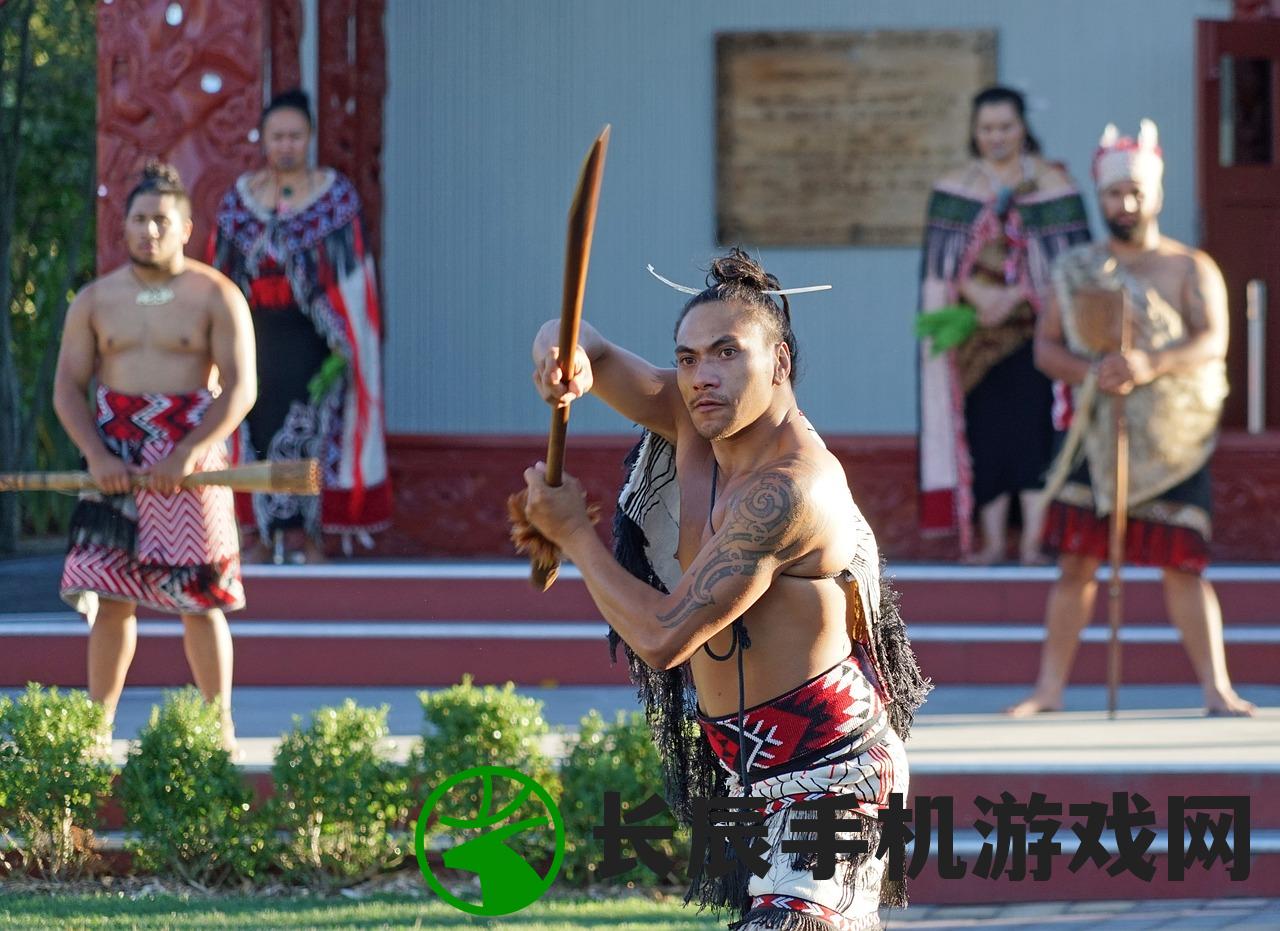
point(180, 80)
point(285, 27)
point(352, 88)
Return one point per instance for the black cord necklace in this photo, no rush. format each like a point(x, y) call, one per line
point(739, 644)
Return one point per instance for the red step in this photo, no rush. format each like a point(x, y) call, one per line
point(427, 624)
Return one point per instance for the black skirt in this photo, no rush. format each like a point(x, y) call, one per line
point(1009, 426)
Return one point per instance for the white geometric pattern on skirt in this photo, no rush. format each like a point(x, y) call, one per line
point(193, 527)
point(870, 777)
point(94, 572)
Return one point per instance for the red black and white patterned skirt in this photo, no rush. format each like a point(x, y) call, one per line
point(827, 738)
point(176, 553)
point(1171, 532)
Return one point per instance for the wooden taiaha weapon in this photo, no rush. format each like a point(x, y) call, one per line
point(292, 477)
point(582, 222)
point(1119, 521)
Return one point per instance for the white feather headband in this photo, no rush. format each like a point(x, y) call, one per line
point(684, 289)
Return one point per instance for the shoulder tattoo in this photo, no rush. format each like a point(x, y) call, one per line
point(762, 522)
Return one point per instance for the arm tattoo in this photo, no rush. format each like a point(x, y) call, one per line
point(762, 522)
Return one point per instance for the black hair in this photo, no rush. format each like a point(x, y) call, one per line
point(996, 94)
point(160, 178)
point(295, 98)
point(739, 277)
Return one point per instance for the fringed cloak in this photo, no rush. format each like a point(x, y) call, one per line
point(1036, 228)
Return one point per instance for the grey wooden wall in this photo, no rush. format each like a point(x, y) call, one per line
point(492, 104)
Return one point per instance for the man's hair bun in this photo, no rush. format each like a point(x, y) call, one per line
point(739, 268)
point(738, 278)
point(159, 177)
point(158, 172)
point(295, 98)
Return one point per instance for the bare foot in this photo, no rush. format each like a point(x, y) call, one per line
point(229, 742)
point(313, 552)
point(1228, 705)
point(1034, 704)
point(983, 557)
point(1035, 558)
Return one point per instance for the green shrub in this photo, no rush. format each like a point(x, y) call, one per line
point(339, 797)
point(187, 801)
point(617, 756)
point(467, 726)
point(52, 777)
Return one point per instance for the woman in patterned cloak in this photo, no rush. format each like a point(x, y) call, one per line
point(290, 236)
point(986, 428)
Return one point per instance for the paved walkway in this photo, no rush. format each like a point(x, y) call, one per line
point(1152, 729)
point(1166, 915)
point(1152, 725)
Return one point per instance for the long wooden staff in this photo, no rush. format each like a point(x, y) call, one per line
point(293, 477)
point(582, 223)
point(1119, 521)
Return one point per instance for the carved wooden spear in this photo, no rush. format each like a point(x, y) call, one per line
point(582, 222)
point(293, 477)
point(1119, 521)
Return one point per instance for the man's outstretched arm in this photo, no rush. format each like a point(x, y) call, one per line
point(770, 524)
point(641, 392)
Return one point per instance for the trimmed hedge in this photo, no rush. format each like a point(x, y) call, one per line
point(341, 807)
point(617, 756)
point(466, 726)
point(187, 802)
point(340, 800)
point(53, 776)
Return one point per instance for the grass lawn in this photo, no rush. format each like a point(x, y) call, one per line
point(36, 912)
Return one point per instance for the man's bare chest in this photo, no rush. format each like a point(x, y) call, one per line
point(1164, 275)
point(175, 327)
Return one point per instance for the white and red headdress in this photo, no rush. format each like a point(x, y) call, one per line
point(1123, 158)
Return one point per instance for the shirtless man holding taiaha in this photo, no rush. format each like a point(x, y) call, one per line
point(1173, 380)
point(767, 526)
point(156, 335)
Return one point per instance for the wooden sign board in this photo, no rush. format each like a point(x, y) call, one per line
point(836, 138)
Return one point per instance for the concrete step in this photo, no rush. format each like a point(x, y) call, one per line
point(50, 648)
point(499, 589)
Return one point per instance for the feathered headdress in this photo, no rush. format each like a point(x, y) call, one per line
point(1123, 158)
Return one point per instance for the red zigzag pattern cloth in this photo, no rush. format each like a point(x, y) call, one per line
point(186, 554)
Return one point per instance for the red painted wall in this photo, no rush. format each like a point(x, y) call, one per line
point(451, 492)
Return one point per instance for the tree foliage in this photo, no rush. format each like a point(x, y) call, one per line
point(48, 82)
